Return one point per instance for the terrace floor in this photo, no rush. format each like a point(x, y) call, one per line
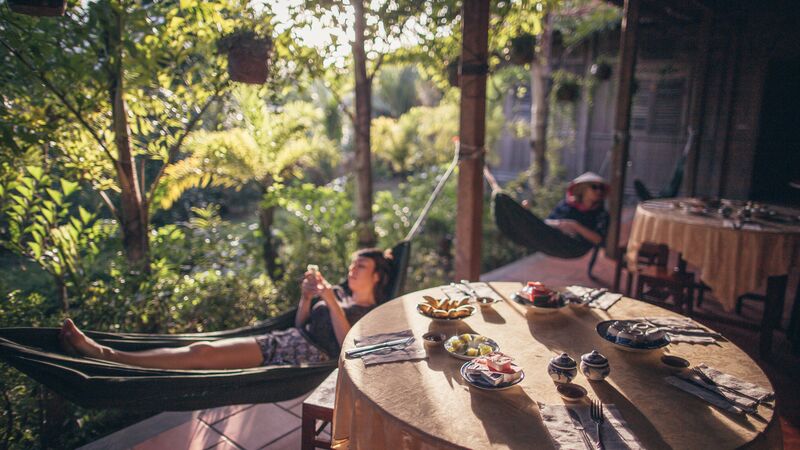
point(277, 425)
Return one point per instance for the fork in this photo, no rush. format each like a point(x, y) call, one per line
point(709, 381)
point(596, 412)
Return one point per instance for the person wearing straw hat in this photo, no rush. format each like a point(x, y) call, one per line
point(582, 213)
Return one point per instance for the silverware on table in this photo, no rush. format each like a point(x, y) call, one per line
point(708, 380)
point(596, 411)
point(691, 380)
point(367, 349)
point(579, 426)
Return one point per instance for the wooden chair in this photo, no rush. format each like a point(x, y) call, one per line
point(649, 255)
point(318, 406)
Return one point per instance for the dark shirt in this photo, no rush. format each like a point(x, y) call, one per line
point(319, 326)
point(594, 219)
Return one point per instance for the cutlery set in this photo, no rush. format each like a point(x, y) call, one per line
point(596, 413)
point(698, 378)
point(395, 344)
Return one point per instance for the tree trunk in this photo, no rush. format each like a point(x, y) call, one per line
point(365, 229)
point(134, 214)
point(266, 217)
point(540, 88)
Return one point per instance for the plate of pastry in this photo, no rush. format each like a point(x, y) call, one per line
point(633, 335)
point(469, 346)
point(492, 372)
point(445, 309)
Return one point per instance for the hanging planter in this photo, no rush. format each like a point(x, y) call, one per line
point(522, 49)
point(453, 77)
point(601, 70)
point(248, 56)
point(566, 86)
point(40, 8)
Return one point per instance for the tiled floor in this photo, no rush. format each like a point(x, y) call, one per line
point(277, 425)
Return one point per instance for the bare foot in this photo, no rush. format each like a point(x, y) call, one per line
point(74, 341)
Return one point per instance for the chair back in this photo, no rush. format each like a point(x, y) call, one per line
point(651, 254)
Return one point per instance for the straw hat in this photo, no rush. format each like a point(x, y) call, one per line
point(588, 177)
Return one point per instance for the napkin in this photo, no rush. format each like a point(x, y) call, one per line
point(604, 302)
point(484, 290)
point(685, 330)
point(410, 352)
point(453, 292)
point(732, 382)
point(564, 435)
point(689, 339)
point(705, 394)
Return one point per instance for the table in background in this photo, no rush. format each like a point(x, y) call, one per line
point(426, 404)
point(731, 262)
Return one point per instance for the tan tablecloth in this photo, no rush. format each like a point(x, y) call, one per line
point(731, 262)
point(426, 404)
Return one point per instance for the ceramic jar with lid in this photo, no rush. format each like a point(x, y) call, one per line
point(562, 368)
point(594, 366)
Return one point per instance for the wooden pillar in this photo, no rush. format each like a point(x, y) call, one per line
point(622, 121)
point(698, 103)
point(472, 131)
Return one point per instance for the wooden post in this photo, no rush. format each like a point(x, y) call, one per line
point(622, 121)
point(469, 210)
point(698, 103)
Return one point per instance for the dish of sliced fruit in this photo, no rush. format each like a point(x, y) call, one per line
point(469, 346)
point(445, 309)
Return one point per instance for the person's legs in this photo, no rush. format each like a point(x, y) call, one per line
point(235, 353)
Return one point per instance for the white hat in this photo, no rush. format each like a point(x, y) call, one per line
point(588, 177)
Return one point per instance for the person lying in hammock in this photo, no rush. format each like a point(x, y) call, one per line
point(320, 327)
point(577, 223)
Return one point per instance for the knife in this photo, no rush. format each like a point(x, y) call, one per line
point(574, 415)
point(707, 388)
point(381, 345)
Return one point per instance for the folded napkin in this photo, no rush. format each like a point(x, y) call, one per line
point(564, 435)
point(603, 302)
point(606, 301)
point(484, 290)
point(411, 352)
point(707, 395)
point(676, 338)
point(749, 389)
point(453, 292)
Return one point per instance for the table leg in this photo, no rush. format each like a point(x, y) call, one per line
point(773, 311)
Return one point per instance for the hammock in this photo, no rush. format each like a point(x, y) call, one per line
point(94, 383)
point(671, 190)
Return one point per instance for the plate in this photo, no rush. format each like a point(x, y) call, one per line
point(522, 300)
point(446, 319)
point(483, 340)
point(602, 330)
point(480, 384)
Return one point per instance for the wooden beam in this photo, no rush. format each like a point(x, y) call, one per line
point(472, 131)
point(622, 121)
point(698, 103)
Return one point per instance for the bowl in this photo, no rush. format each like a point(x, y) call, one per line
point(676, 363)
point(626, 341)
point(571, 392)
point(433, 340)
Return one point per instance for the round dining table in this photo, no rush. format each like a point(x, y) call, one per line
point(734, 258)
point(426, 404)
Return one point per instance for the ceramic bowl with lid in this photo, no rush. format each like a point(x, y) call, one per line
point(594, 366)
point(562, 368)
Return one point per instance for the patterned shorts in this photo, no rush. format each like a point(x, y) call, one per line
point(289, 346)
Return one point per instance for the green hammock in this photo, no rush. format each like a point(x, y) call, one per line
point(101, 384)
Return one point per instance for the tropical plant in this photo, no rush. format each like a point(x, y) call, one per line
point(268, 146)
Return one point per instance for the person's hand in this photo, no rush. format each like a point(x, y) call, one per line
point(315, 285)
point(566, 226)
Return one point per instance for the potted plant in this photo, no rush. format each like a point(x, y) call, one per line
point(248, 56)
point(522, 49)
point(41, 8)
point(601, 69)
point(566, 86)
point(453, 77)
